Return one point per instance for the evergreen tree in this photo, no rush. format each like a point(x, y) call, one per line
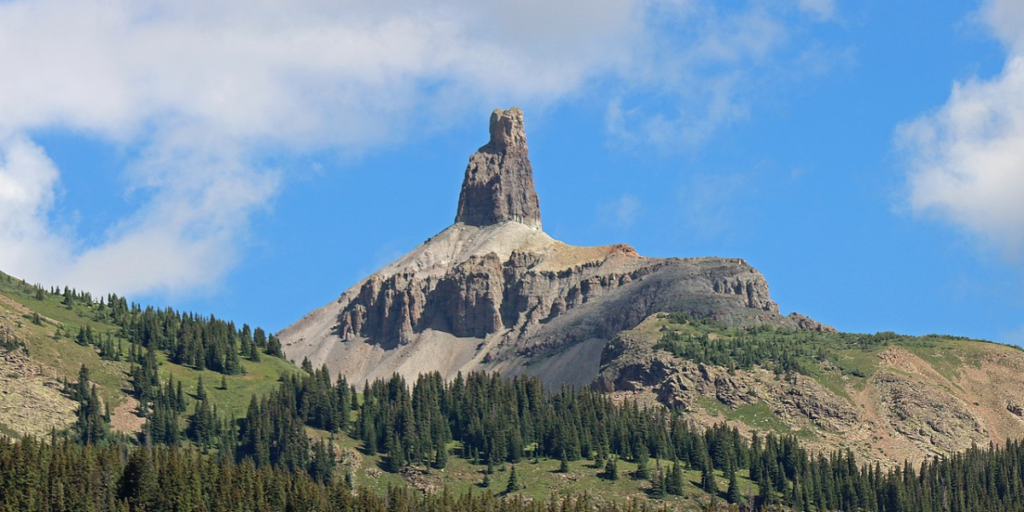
point(707, 477)
point(396, 454)
point(200, 390)
point(92, 423)
point(611, 469)
point(274, 347)
point(733, 494)
point(441, 457)
point(658, 489)
point(642, 463)
point(139, 484)
point(514, 485)
point(674, 483)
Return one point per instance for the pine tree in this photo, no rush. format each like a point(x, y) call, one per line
point(642, 463)
point(396, 454)
point(82, 389)
point(707, 477)
point(674, 484)
point(733, 495)
point(441, 458)
point(274, 347)
point(139, 484)
point(658, 485)
point(611, 469)
point(200, 390)
point(514, 485)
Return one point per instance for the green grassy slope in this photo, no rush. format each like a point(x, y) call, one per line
point(50, 343)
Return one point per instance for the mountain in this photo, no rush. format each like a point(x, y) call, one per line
point(677, 363)
point(494, 292)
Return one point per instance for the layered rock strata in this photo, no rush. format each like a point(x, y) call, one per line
point(494, 292)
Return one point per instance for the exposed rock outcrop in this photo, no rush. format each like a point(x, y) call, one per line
point(498, 186)
point(495, 292)
point(898, 406)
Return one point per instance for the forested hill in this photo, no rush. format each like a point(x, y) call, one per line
point(108, 405)
point(534, 440)
point(129, 349)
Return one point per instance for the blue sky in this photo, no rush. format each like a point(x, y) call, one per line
point(253, 160)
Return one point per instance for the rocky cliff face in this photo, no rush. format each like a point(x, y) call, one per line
point(493, 291)
point(498, 186)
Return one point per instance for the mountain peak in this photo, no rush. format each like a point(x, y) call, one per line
point(507, 130)
point(498, 186)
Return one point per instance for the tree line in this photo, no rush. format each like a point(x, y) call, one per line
point(497, 420)
point(64, 475)
point(189, 339)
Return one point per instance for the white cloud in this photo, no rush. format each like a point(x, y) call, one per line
point(28, 181)
point(184, 237)
point(967, 158)
point(200, 91)
point(823, 9)
point(707, 69)
point(1006, 18)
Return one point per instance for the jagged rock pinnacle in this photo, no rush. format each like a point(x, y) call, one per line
point(498, 186)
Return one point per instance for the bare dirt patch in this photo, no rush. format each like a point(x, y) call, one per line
point(125, 418)
point(15, 305)
point(30, 399)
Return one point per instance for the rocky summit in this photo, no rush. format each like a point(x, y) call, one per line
point(499, 180)
point(494, 292)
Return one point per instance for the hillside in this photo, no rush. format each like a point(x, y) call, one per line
point(881, 397)
point(41, 329)
point(887, 397)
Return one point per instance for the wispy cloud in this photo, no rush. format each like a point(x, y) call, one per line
point(824, 9)
point(967, 158)
point(201, 91)
point(708, 69)
point(708, 199)
point(622, 212)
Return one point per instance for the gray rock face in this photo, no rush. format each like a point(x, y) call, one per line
point(494, 292)
point(498, 186)
point(545, 308)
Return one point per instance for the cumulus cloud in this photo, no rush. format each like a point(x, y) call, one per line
point(967, 158)
point(199, 91)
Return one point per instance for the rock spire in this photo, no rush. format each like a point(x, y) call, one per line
point(498, 186)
